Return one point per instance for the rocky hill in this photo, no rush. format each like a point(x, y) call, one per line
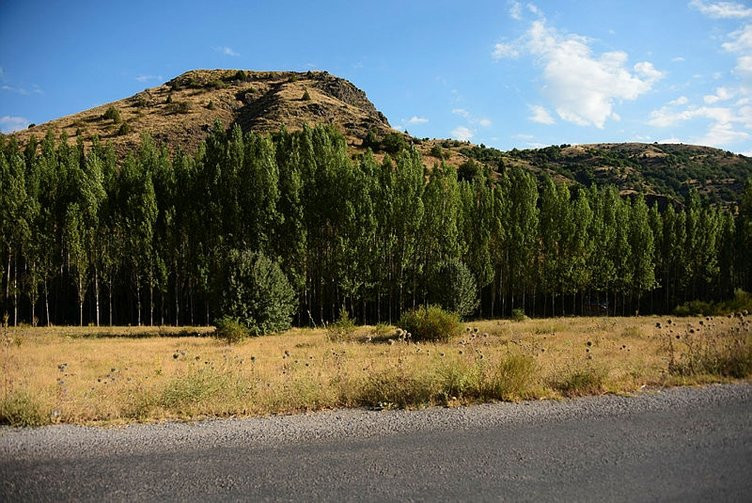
point(180, 112)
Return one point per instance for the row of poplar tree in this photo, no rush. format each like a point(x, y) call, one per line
point(90, 238)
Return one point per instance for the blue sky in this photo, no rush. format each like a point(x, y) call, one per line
point(504, 73)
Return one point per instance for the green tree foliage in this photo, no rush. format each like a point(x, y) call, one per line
point(255, 292)
point(157, 233)
point(453, 287)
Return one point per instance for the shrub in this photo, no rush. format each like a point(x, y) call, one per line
point(18, 408)
point(371, 141)
point(581, 382)
point(437, 151)
point(231, 330)
point(256, 293)
point(458, 378)
point(431, 324)
point(306, 96)
point(342, 329)
point(519, 315)
point(394, 388)
point(393, 143)
point(210, 105)
point(124, 129)
point(112, 114)
point(513, 377)
point(178, 107)
point(741, 301)
point(453, 287)
point(469, 170)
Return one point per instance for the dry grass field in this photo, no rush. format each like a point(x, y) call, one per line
point(115, 375)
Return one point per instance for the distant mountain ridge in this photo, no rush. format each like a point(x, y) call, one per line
point(180, 112)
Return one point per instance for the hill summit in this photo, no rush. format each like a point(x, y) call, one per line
point(181, 111)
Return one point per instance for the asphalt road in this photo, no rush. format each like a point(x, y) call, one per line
point(681, 444)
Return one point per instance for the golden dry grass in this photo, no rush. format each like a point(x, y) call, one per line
point(105, 376)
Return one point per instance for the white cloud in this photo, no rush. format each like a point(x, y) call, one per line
point(147, 78)
point(462, 133)
point(541, 115)
point(534, 9)
point(678, 59)
point(503, 51)
point(471, 119)
point(584, 87)
point(722, 10)
point(720, 134)
point(23, 91)
point(722, 130)
point(515, 11)
point(741, 40)
point(681, 100)
point(417, 120)
point(671, 140)
point(744, 65)
point(663, 117)
point(9, 123)
point(741, 43)
point(648, 71)
point(721, 94)
point(227, 51)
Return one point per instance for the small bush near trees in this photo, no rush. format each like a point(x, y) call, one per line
point(371, 141)
point(112, 114)
point(469, 170)
point(342, 329)
point(256, 293)
point(306, 96)
point(741, 301)
point(518, 315)
point(231, 330)
point(431, 324)
point(437, 151)
point(393, 143)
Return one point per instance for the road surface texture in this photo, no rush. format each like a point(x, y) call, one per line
point(679, 444)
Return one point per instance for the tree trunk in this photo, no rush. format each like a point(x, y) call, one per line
point(138, 304)
point(15, 292)
point(96, 292)
point(177, 303)
point(46, 304)
point(151, 303)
